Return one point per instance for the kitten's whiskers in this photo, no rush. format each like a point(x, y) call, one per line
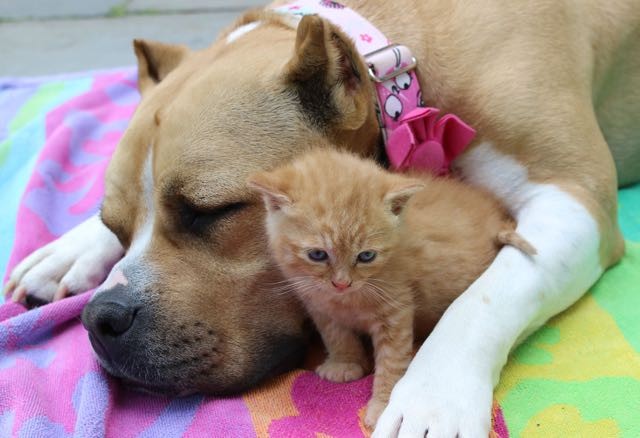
point(302, 285)
point(382, 295)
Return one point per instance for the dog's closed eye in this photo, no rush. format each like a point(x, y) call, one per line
point(198, 220)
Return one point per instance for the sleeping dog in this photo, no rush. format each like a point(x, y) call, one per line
point(553, 90)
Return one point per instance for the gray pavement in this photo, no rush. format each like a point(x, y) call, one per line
point(40, 37)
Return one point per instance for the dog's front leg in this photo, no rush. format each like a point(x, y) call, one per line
point(448, 388)
point(77, 261)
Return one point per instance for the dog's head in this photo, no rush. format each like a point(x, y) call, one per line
point(192, 306)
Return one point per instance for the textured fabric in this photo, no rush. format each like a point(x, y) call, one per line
point(578, 376)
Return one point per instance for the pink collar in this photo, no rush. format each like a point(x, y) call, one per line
point(415, 138)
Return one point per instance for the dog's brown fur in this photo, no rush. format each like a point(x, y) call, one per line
point(212, 117)
point(526, 75)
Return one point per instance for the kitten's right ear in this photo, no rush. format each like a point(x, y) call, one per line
point(396, 199)
point(274, 197)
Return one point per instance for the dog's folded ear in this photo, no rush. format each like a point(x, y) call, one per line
point(328, 76)
point(155, 61)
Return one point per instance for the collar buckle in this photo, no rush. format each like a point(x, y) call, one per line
point(393, 53)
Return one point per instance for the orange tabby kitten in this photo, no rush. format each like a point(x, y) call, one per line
point(374, 252)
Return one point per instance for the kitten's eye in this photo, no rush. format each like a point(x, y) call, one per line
point(317, 255)
point(367, 256)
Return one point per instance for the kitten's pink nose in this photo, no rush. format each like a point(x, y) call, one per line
point(341, 285)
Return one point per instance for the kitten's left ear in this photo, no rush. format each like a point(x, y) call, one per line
point(274, 196)
point(396, 199)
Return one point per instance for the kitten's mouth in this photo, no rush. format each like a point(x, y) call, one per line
point(342, 291)
point(341, 286)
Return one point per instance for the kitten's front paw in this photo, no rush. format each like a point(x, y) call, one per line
point(374, 410)
point(340, 371)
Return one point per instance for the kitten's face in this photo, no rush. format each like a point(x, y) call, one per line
point(333, 250)
point(333, 220)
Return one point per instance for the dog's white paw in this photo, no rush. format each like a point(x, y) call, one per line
point(438, 403)
point(77, 261)
point(340, 371)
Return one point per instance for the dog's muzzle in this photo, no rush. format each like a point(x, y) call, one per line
point(108, 318)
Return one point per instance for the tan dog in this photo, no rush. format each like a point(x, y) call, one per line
point(188, 307)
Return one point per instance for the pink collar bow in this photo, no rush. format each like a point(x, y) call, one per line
point(424, 142)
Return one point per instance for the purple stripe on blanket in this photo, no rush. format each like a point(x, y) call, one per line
point(90, 400)
point(11, 101)
point(174, 419)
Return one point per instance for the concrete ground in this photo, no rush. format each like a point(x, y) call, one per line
point(41, 37)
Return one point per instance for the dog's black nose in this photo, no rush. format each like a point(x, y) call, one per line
point(110, 315)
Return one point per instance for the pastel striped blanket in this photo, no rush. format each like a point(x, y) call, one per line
point(578, 376)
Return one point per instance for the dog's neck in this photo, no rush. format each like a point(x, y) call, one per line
point(414, 136)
